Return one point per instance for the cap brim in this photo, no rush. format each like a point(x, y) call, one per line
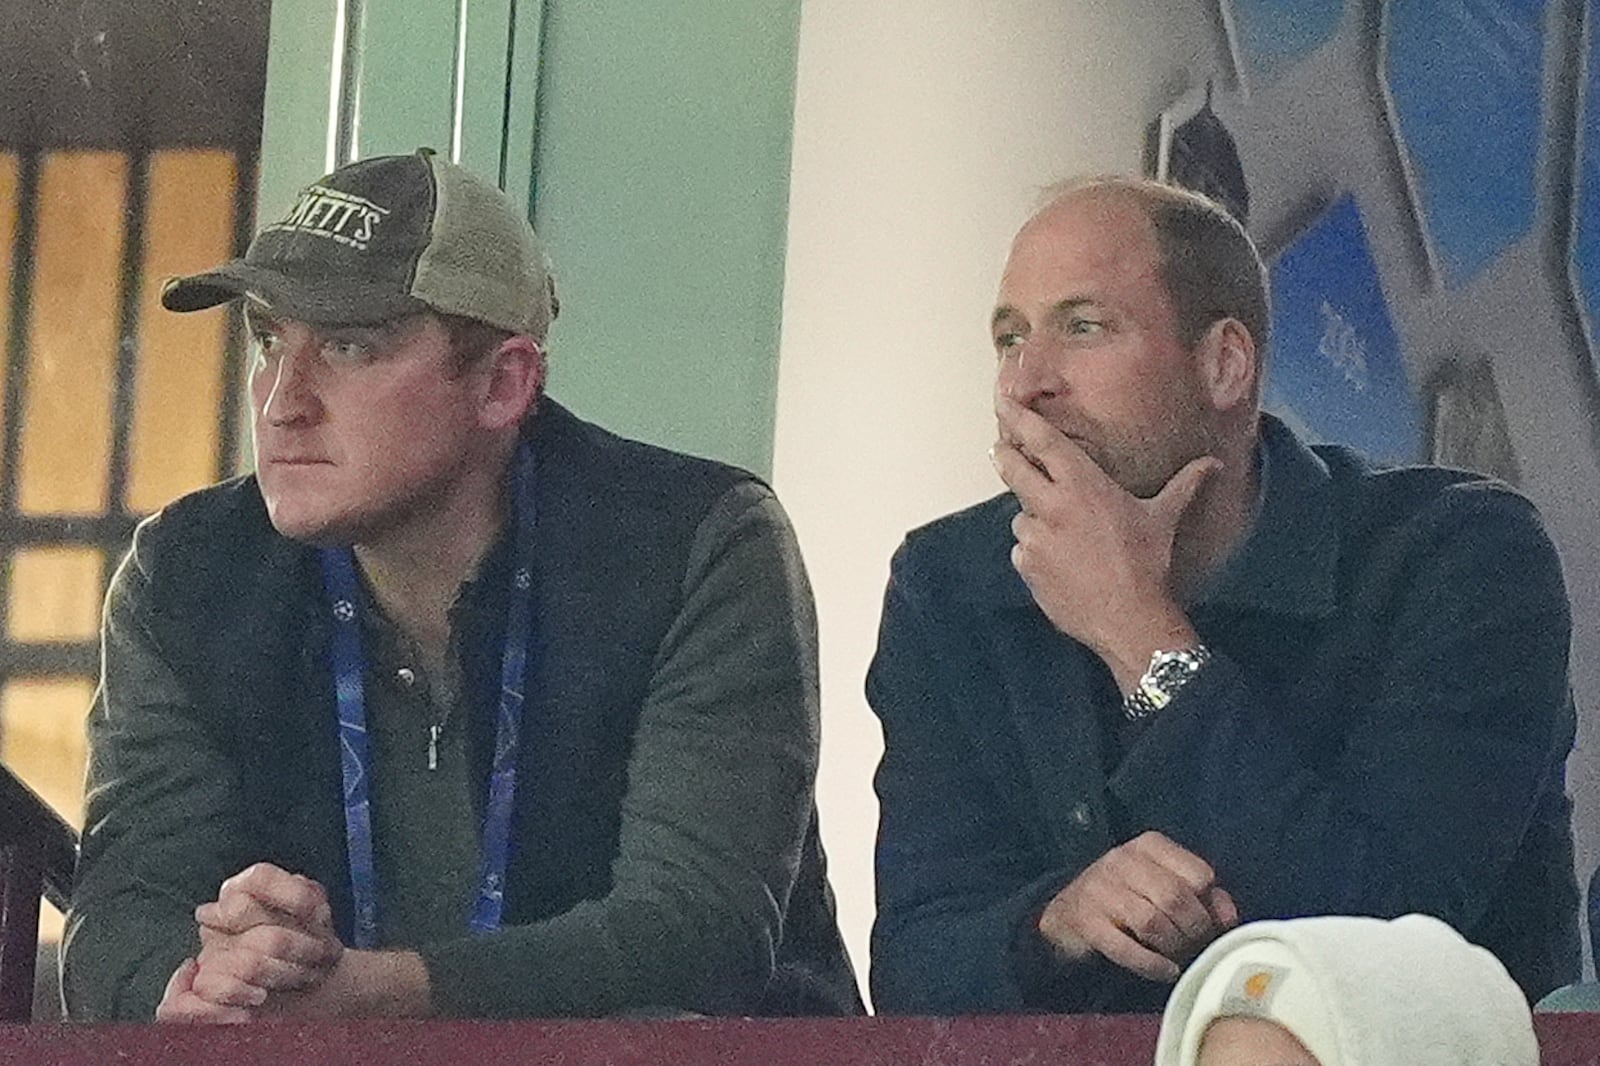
point(322, 301)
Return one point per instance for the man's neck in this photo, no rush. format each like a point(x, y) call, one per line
point(1219, 521)
point(415, 572)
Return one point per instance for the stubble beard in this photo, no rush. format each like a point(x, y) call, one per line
point(1145, 461)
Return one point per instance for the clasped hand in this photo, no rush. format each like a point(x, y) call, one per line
point(267, 944)
point(1149, 906)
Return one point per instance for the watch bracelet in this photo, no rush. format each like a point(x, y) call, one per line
point(1141, 704)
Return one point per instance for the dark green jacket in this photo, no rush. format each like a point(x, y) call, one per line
point(665, 852)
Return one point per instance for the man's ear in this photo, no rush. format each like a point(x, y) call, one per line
point(1228, 365)
point(514, 382)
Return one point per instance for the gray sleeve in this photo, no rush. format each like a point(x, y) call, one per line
point(159, 824)
point(718, 799)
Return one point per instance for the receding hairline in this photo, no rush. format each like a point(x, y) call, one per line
point(1196, 277)
point(1147, 193)
point(1139, 194)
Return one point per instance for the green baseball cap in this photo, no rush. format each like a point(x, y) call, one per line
point(385, 237)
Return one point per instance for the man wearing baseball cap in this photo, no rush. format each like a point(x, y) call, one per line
point(459, 704)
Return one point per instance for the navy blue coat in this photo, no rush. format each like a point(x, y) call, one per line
point(1383, 730)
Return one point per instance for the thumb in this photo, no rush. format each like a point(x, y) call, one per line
point(1179, 491)
point(1223, 910)
point(182, 979)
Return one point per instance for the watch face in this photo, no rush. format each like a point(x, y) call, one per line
point(1173, 669)
point(1169, 671)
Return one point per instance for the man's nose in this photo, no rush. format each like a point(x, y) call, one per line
point(1029, 372)
point(290, 392)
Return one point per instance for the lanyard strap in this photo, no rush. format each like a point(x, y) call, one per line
point(343, 591)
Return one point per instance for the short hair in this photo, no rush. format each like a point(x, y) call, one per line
point(470, 339)
point(1209, 264)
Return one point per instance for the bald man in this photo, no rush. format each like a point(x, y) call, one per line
point(1189, 671)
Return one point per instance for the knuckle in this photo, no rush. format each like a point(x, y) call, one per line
point(270, 939)
point(248, 968)
point(1169, 899)
point(1116, 862)
point(1142, 919)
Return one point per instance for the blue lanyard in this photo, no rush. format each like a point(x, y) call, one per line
point(343, 591)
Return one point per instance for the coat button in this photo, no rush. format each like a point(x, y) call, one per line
point(406, 676)
point(1081, 816)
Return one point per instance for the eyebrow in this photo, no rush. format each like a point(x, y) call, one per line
point(1072, 303)
point(1003, 314)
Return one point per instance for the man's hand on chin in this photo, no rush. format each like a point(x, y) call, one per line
point(1097, 559)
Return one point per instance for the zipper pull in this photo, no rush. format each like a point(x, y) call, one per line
point(433, 747)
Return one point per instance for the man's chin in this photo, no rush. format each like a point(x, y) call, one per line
point(313, 530)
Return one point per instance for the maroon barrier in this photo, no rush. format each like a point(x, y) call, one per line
point(1566, 1039)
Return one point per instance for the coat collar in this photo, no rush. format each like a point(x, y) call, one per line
point(1288, 562)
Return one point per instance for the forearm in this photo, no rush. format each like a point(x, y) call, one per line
point(961, 875)
point(160, 831)
point(118, 953)
point(605, 957)
point(1389, 754)
point(1422, 820)
point(978, 955)
point(365, 984)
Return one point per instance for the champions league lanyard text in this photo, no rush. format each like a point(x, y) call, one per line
point(343, 591)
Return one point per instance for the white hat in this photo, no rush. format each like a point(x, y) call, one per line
point(1356, 992)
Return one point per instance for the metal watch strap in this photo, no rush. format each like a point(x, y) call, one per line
point(1167, 673)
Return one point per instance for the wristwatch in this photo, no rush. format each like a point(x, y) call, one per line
point(1167, 673)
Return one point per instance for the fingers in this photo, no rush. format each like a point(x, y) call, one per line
point(240, 972)
point(1148, 906)
point(1163, 850)
point(293, 946)
point(1019, 473)
point(182, 979)
point(1183, 886)
point(251, 897)
point(180, 1003)
point(1041, 444)
point(1100, 933)
point(215, 984)
point(267, 931)
point(1180, 490)
point(237, 912)
point(1223, 910)
point(1155, 905)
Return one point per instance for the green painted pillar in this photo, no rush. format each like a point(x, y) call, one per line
point(662, 187)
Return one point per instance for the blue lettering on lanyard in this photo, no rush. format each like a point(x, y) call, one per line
point(343, 591)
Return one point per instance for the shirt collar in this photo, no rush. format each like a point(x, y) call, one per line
point(1288, 562)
